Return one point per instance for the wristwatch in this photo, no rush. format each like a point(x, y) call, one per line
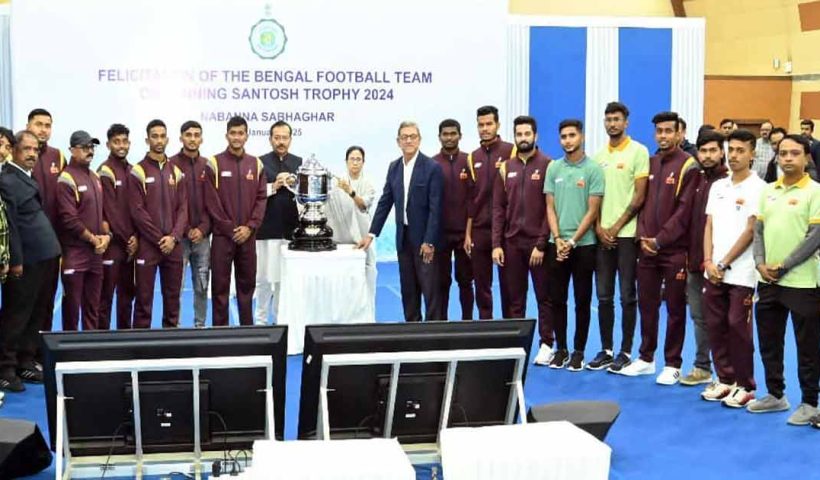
point(723, 267)
point(353, 194)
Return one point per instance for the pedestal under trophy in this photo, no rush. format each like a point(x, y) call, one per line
point(311, 185)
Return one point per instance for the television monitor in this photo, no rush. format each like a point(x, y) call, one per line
point(232, 401)
point(358, 394)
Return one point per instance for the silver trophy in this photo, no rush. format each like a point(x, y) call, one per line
point(311, 185)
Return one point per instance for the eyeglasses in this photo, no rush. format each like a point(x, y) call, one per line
point(409, 138)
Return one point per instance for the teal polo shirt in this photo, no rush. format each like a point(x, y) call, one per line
point(571, 184)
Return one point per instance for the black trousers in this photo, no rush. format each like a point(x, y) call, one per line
point(19, 326)
point(772, 310)
point(623, 261)
point(418, 279)
point(580, 266)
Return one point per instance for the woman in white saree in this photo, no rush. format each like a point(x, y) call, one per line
point(348, 213)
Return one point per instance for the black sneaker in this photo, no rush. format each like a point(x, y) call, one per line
point(576, 362)
point(30, 375)
point(560, 359)
point(600, 362)
point(621, 361)
point(12, 384)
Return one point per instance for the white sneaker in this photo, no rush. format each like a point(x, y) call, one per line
point(669, 376)
point(717, 392)
point(638, 367)
point(545, 354)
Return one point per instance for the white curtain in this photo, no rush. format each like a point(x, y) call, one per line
point(601, 83)
point(5, 66)
point(688, 65)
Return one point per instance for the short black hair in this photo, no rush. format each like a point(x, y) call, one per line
point(666, 117)
point(37, 112)
point(780, 130)
point(743, 136)
point(189, 125)
point(706, 128)
point(726, 120)
point(571, 122)
point(808, 122)
point(449, 123)
point(801, 140)
point(7, 134)
point(237, 121)
point(153, 124)
point(487, 110)
point(117, 129)
point(710, 136)
point(526, 120)
point(615, 107)
point(281, 123)
point(352, 149)
point(19, 136)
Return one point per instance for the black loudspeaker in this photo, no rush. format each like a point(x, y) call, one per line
point(23, 450)
point(595, 418)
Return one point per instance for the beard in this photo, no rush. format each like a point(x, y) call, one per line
point(525, 147)
point(570, 150)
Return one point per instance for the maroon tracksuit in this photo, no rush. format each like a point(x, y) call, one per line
point(194, 176)
point(453, 225)
point(483, 165)
point(159, 208)
point(728, 312)
point(666, 216)
point(79, 200)
point(235, 196)
point(48, 167)
point(118, 268)
point(703, 183)
point(519, 225)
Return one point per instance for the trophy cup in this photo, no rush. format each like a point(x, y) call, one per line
point(312, 183)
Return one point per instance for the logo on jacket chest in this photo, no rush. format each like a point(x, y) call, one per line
point(463, 175)
point(249, 176)
point(54, 169)
point(536, 175)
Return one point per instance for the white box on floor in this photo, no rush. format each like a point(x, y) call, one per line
point(370, 459)
point(535, 451)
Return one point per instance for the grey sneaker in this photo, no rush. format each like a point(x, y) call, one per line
point(768, 404)
point(802, 416)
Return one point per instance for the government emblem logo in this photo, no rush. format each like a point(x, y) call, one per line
point(267, 37)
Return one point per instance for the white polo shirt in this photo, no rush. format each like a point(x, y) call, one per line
point(730, 207)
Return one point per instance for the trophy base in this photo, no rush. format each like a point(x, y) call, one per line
point(312, 244)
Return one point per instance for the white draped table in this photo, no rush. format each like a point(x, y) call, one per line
point(321, 288)
point(535, 451)
point(371, 459)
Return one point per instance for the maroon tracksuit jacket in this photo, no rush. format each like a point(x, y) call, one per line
point(484, 163)
point(118, 269)
point(79, 201)
point(194, 176)
point(235, 196)
point(520, 224)
point(159, 208)
point(666, 216)
point(703, 183)
point(46, 171)
point(454, 224)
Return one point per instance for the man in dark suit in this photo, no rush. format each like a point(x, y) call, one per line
point(34, 246)
point(414, 186)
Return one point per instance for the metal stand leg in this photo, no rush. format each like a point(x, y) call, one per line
point(391, 399)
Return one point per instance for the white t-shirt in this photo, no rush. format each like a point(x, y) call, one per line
point(730, 207)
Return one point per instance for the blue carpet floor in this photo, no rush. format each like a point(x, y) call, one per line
point(662, 433)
